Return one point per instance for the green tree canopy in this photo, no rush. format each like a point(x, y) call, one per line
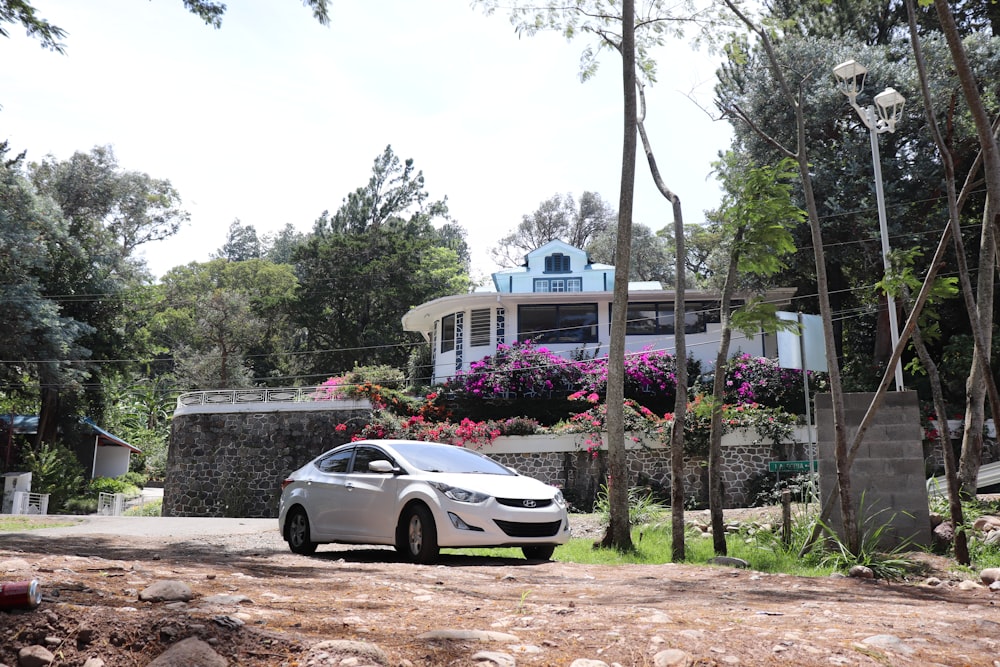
point(363, 268)
point(241, 243)
point(841, 160)
point(227, 323)
point(652, 255)
point(92, 189)
point(558, 217)
point(40, 345)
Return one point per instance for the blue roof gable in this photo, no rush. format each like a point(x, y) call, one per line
point(556, 266)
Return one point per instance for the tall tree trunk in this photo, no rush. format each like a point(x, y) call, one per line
point(716, 491)
point(618, 534)
point(944, 442)
point(975, 389)
point(678, 550)
point(944, 437)
point(48, 417)
point(972, 442)
point(800, 154)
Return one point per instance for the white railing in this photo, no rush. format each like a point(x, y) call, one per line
point(110, 504)
point(116, 504)
point(30, 503)
point(263, 398)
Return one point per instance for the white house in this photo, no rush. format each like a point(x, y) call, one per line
point(561, 300)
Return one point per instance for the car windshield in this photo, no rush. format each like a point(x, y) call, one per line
point(449, 459)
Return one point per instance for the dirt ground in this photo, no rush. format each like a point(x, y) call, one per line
point(275, 606)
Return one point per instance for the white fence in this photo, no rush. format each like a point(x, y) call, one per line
point(263, 399)
point(30, 503)
point(115, 504)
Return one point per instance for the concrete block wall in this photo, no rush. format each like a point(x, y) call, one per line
point(887, 479)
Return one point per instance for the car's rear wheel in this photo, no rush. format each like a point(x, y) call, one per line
point(538, 551)
point(297, 532)
point(416, 537)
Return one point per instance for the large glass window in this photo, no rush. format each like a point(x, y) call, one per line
point(447, 333)
point(563, 323)
point(657, 319)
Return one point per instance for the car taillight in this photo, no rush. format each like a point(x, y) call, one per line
point(286, 482)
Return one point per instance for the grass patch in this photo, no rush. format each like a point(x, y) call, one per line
point(20, 523)
point(653, 547)
point(149, 508)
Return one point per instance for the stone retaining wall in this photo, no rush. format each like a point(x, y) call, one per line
point(231, 464)
point(581, 474)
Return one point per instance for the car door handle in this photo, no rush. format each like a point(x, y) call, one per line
point(349, 486)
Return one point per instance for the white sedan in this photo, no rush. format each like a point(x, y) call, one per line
point(418, 496)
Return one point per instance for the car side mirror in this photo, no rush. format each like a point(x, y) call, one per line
point(381, 467)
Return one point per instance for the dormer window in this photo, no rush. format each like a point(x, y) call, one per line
point(557, 263)
point(558, 284)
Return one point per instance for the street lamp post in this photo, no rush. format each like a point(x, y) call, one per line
point(879, 118)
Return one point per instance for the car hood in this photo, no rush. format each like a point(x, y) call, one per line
point(499, 486)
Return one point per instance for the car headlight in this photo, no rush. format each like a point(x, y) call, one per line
point(460, 495)
point(559, 500)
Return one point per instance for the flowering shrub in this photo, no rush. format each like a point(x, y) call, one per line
point(520, 368)
point(592, 423)
point(342, 386)
point(771, 424)
point(761, 380)
point(466, 433)
point(383, 398)
point(650, 377)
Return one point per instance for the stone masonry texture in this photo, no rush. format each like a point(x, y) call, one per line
point(232, 464)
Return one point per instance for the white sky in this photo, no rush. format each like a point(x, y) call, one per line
point(274, 118)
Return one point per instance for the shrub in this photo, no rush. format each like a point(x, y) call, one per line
point(112, 485)
point(593, 421)
point(133, 478)
point(650, 377)
point(154, 508)
point(761, 380)
point(81, 505)
point(521, 369)
point(55, 470)
point(643, 508)
point(151, 462)
point(765, 488)
point(518, 426)
point(466, 433)
point(380, 397)
point(770, 423)
point(889, 564)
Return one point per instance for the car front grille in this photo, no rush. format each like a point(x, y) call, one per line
point(520, 529)
point(524, 503)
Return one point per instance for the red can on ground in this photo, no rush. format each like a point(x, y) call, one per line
point(20, 594)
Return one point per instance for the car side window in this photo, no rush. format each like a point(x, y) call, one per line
point(366, 455)
point(336, 462)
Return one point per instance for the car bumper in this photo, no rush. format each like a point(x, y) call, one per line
point(460, 527)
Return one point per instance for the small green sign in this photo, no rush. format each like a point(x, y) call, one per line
point(791, 466)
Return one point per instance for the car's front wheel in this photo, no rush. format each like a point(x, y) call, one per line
point(297, 533)
point(538, 551)
point(416, 537)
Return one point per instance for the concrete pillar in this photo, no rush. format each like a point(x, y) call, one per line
point(887, 478)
